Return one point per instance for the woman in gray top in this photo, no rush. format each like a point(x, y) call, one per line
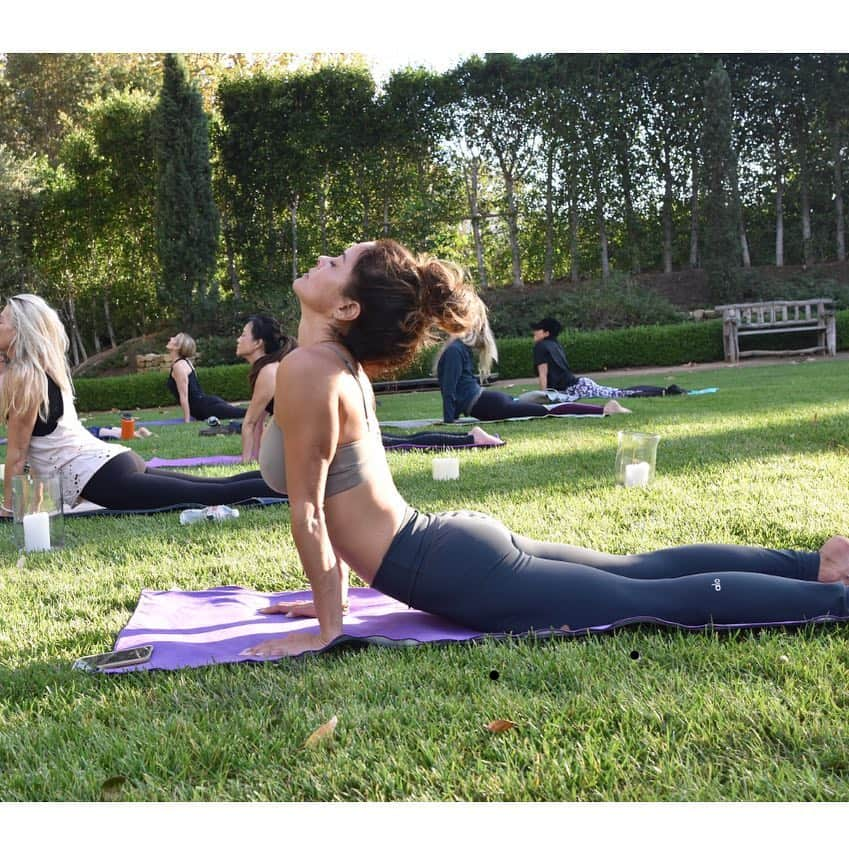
point(368, 311)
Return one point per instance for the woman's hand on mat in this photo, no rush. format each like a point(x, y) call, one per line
point(289, 646)
point(295, 608)
point(291, 608)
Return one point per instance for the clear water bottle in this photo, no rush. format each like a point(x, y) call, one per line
point(218, 513)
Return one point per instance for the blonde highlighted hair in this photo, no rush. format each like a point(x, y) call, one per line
point(186, 346)
point(481, 340)
point(39, 350)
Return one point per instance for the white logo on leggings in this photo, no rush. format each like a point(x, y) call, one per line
point(716, 585)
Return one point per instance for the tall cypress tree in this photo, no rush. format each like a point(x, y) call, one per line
point(186, 217)
point(721, 250)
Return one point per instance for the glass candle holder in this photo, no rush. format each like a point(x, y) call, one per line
point(37, 512)
point(636, 458)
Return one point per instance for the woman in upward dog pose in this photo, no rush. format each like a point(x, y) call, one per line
point(370, 309)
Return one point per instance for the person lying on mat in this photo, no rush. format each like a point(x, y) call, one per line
point(462, 392)
point(37, 403)
point(184, 385)
point(553, 370)
point(263, 345)
point(440, 439)
point(368, 311)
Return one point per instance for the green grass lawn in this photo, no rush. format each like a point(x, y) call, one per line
point(732, 716)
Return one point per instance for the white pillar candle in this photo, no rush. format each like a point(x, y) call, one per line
point(446, 469)
point(637, 474)
point(37, 532)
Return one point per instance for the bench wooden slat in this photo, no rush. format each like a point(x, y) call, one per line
point(814, 315)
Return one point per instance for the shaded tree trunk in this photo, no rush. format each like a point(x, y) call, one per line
point(694, 210)
point(839, 222)
point(779, 221)
point(232, 276)
point(107, 312)
point(667, 210)
point(738, 212)
point(574, 259)
point(804, 200)
point(78, 351)
point(631, 226)
point(779, 204)
point(472, 170)
point(548, 272)
point(513, 230)
point(94, 337)
point(604, 248)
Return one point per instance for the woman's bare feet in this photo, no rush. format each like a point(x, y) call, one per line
point(481, 437)
point(834, 560)
point(613, 406)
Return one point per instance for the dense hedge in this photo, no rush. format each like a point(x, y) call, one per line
point(631, 347)
point(148, 388)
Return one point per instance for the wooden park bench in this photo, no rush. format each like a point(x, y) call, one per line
point(769, 317)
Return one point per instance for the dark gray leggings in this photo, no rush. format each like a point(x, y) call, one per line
point(470, 568)
point(492, 406)
point(124, 483)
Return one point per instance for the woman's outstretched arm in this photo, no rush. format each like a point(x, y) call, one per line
point(310, 421)
point(255, 416)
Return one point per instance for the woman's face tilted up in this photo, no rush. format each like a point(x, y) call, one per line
point(320, 289)
point(246, 344)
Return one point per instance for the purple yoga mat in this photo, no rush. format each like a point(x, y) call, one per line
point(161, 422)
point(205, 627)
point(213, 626)
point(231, 459)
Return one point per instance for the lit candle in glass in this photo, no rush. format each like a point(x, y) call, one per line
point(37, 532)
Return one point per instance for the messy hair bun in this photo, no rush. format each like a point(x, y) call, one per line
point(404, 299)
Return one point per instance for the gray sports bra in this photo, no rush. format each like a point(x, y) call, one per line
point(347, 468)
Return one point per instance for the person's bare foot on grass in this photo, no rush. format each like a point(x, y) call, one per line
point(481, 437)
point(612, 407)
point(834, 560)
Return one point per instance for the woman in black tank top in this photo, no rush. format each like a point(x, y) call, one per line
point(184, 385)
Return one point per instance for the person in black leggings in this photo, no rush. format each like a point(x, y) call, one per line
point(184, 385)
point(371, 309)
point(37, 402)
point(438, 439)
point(125, 483)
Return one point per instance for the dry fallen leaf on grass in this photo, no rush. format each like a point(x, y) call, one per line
point(499, 725)
point(111, 789)
point(322, 732)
